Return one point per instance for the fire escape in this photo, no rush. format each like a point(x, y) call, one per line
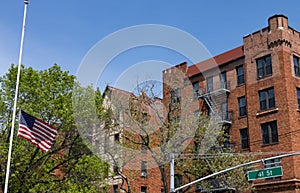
point(215, 96)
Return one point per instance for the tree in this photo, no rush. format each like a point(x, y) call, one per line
point(169, 126)
point(95, 121)
point(193, 164)
point(70, 166)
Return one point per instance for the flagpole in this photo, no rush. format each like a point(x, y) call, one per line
point(16, 98)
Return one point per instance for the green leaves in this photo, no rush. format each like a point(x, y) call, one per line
point(47, 94)
point(89, 169)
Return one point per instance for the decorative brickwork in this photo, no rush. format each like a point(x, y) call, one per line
point(281, 43)
point(273, 130)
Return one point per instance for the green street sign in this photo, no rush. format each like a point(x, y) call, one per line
point(265, 173)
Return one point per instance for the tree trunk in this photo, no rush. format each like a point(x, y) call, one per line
point(164, 178)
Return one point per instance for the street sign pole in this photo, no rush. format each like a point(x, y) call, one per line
point(235, 167)
point(172, 164)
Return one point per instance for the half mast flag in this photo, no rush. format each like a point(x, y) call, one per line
point(38, 132)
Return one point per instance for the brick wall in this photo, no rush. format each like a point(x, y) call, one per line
point(281, 42)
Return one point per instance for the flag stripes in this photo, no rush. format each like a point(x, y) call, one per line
point(36, 131)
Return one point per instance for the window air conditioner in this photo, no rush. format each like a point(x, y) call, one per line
point(144, 174)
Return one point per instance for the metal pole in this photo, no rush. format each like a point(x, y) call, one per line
point(172, 186)
point(16, 98)
point(235, 167)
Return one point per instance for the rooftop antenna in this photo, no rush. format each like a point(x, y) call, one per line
point(16, 98)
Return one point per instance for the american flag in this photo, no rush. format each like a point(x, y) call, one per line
point(36, 131)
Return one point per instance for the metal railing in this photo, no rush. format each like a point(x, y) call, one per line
point(226, 117)
point(216, 87)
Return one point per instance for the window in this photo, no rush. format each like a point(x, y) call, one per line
point(196, 89)
point(198, 187)
point(144, 169)
point(117, 137)
point(176, 121)
point(264, 66)
point(116, 189)
point(209, 111)
point(244, 138)
point(242, 106)
point(196, 146)
point(116, 169)
point(144, 147)
point(175, 96)
point(178, 181)
point(298, 96)
point(209, 84)
point(224, 111)
point(272, 163)
point(269, 133)
point(144, 118)
point(296, 66)
point(223, 80)
point(266, 99)
point(143, 189)
point(240, 75)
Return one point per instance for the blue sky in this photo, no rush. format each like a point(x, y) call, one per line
point(63, 31)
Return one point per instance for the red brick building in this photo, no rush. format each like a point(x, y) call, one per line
point(261, 80)
point(135, 170)
point(256, 91)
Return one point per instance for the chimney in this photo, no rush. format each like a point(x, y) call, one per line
point(278, 22)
